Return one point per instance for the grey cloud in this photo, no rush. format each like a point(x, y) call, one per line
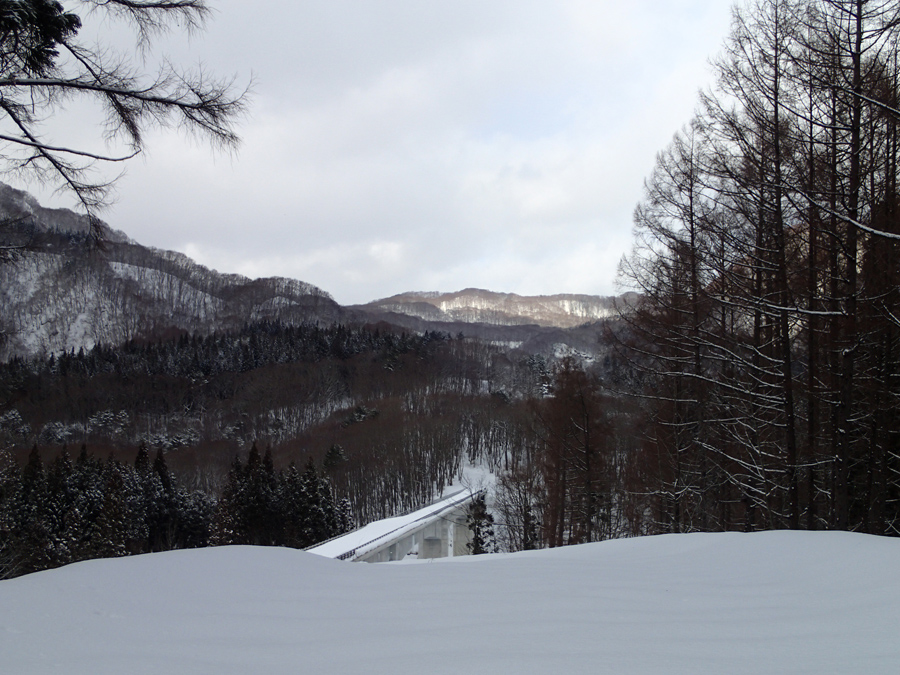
point(413, 145)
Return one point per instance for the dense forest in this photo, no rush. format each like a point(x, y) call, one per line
point(67, 511)
point(767, 259)
point(382, 418)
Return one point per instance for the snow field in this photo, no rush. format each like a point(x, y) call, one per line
point(775, 602)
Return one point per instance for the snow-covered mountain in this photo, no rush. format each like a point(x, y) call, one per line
point(65, 292)
point(474, 305)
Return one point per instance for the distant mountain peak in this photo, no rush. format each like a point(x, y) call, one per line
point(477, 305)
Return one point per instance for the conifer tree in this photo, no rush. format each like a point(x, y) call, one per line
point(294, 501)
point(229, 526)
point(11, 562)
point(111, 527)
point(62, 515)
point(32, 514)
point(481, 524)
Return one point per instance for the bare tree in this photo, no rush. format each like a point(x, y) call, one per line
point(797, 328)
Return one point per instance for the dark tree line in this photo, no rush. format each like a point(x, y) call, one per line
point(264, 507)
point(66, 511)
point(767, 261)
point(196, 356)
point(268, 380)
point(406, 409)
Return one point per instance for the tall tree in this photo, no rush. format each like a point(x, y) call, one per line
point(574, 437)
point(670, 329)
point(799, 345)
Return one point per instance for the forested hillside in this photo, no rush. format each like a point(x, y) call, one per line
point(475, 305)
point(66, 290)
point(387, 419)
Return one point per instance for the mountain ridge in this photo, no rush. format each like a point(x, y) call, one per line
point(65, 292)
point(476, 305)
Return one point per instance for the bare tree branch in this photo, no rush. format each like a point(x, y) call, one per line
point(42, 63)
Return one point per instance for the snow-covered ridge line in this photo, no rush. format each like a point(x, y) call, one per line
point(480, 306)
point(65, 294)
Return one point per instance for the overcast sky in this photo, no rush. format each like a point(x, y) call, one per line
point(397, 145)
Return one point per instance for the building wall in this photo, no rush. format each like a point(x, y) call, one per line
point(445, 536)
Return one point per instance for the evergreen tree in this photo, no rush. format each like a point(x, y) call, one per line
point(294, 501)
point(161, 505)
point(142, 460)
point(481, 524)
point(195, 518)
point(11, 562)
point(88, 484)
point(229, 525)
point(32, 517)
point(319, 508)
point(111, 528)
point(344, 517)
point(63, 518)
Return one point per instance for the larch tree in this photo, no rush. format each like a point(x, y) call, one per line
point(799, 343)
point(669, 328)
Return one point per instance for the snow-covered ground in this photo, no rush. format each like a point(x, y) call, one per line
point(717, 604)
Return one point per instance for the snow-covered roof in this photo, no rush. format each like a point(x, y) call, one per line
point(353, 544)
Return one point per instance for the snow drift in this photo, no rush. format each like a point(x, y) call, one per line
point(775, 602)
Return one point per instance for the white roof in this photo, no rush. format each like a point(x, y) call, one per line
point(374, 534)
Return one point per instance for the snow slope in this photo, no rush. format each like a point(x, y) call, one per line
point(775, 602)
